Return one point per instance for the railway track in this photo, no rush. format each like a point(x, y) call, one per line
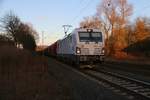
point(143, 69)
point(131, 88)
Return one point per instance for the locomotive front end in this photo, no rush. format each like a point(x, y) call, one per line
point(90, 46)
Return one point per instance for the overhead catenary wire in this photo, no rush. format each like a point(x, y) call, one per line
point(82, 11)
point(141, 10)
point(82, 1)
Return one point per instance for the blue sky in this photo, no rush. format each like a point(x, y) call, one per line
point(50, 15)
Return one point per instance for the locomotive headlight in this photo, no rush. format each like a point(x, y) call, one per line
point(103, 51)
point(89, 30)
point(78, 50)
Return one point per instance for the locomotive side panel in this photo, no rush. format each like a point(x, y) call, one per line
point(65, 48)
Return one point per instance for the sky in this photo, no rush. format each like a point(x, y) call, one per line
point(48, 16)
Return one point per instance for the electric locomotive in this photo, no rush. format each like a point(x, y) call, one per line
point(82, 46)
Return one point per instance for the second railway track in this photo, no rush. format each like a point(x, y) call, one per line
point(131, 88)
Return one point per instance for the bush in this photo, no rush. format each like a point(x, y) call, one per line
point(142, 48)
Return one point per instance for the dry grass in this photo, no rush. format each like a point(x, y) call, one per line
point(24, 76)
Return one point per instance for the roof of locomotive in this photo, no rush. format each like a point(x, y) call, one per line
point(86, 29)
point(80, 30)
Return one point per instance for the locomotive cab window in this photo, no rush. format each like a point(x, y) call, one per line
point(90, 37)
point(96, 37)
point(84, 36)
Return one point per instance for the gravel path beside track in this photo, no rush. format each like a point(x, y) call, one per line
point(81, 87)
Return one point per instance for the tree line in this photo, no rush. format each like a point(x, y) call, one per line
point(113, 18)
point(17, 33)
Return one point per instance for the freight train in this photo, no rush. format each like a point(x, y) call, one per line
point(79, 47)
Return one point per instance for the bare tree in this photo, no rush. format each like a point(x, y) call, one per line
point(107, 12)
point(114, 15)
point(10, 24)
point(125, 10)
point(19, 32)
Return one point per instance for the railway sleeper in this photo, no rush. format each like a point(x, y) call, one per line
point(136, 88)
point(123, 83)
point(147, 94)
point(144, 90)
point(129, 85)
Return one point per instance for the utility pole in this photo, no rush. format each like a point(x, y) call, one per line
point(66, 28)
point(42, 38)
point(43, 43)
